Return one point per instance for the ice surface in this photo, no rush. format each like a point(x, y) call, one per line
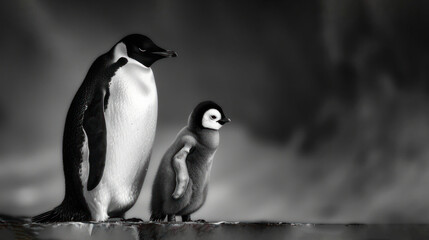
point(22, 228)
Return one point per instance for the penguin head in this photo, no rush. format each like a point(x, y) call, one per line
point(208, 115)
point(144, 50)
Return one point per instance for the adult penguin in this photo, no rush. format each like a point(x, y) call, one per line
point(109, 133)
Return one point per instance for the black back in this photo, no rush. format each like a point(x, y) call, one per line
point(86, 112)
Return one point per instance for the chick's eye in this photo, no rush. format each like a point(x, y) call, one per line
point(212, 116)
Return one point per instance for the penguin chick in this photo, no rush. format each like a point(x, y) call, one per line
point(181, 183)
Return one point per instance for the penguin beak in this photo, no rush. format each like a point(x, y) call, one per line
point(165, 53)
point(224, 120)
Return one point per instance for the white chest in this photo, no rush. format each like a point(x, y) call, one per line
point(131, 117)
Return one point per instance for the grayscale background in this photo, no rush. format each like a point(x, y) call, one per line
point(328, 100)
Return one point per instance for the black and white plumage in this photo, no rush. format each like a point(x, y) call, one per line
point(109, 132)
point(181, 183)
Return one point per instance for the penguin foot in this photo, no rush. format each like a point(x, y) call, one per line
point(157, 217)
point(121, 219)
point(133, 220)
point(200, 221)
point(171, 217)
point(186, 218)
point(115, 219)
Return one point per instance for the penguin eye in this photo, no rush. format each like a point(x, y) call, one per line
point(213, 117)
point(142, 50)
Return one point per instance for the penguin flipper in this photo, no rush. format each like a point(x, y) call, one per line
point(94, 125)
point(181, 170)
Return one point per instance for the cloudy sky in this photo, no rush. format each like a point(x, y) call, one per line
point(329, 101)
